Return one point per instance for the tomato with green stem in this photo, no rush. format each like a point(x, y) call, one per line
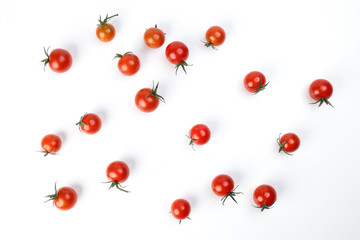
point(154, 37)
point(215, 36)
point(147, 99)
point(180, 209)
point(199, 134)
point(50, 144)
point(128, 63)
point(59, 60)
point(105, 31)
point(264, 197)
point(89, 123)
point(288, 143)
point(177, 53)
point(321, 90)
point(223, 186)
point(117, 172)
point(255, 82)
point(64, 199)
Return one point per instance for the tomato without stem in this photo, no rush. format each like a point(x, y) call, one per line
point(180, 209)
point(223, 186)
point(154, 37)
point(177, 53)
point(50, 144)
point(255, 82)
point(64, 199)
point(215, 36)
point(59, 60)
point(199, 134)
point(264, 196)
point(128, 64)
point(321, 90)
point(117, 172)
point(147, 99)
point(288, 143)
point(105, 31)
point(89, 123)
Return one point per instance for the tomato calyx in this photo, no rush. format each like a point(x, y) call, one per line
point(209, 44)
point(117, 185)
point(321, 101)
point(281, 146)
point(154, 93)
point(231, 194)
point(47, 153)
point(264, 206)
point(106, 19)
point(260, 88)
point(182, 64)
point(52, 197)
point(192, 142)
point(81, 123)
point(120, 55)
point(46, 60)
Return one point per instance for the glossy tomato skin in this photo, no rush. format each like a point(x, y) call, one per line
point(106, 32)
point(66, 198)
point(51, 143)
point(222, 185)
point(154, 37)
point(289, 142)
point(176, 52)
point(180, 209)
point(118, 171)
point(264, 196)
point(254, 82)
point(128, 64)
point(90, 123)
point(215, 36)
point(60, 60)
point(321, 90)
point(145, 103)
point(199, 134)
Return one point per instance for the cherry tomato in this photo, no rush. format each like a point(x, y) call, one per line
point(180, 209)
point(321, 90)
point(264, 196)
point(199, 134)
point(288, 143)
point(223, 186)
point(255, 82)
point(177, 53)
point(117, 172)
point(215, 36)
point(154, 37)
point(89, 123)
point(64, 199)
point(128, 64)
point(105, 31)
point(147, 99)
point(51, 143)
point(59, 60)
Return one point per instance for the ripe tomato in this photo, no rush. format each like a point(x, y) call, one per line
point(255, 82)
point(105, 31)
point(177, 53)
point(321, 90)
point(264, 196)
point(128, 64)
point(147, 100)
point(199, 134)
point(89, 123)
point(215, 36)
point(154, 37)
point(223, 186)
point(64, 199)
point(288, 143)
point(117, 172)
point(180, 209)
point(51, 143)
point(59, 60)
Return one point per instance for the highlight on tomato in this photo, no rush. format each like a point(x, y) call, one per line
point(223, 186)
point(89, 123)
point(128, 63)
point(199, 134)
point(215, 36)
point(321, 90)
point(264, 197)
point(64, 199)
point(59, 60)
point(255, 82)
point(154, 37)
point(177, 53)
point(180, 209)
point(288, 143)
point(105, 31)
point(147, 99)
point(117, 172)
point(50, 144)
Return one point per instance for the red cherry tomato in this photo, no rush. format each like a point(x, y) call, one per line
point(180, 209)
point(117, 172)
point(223, 186)
point(177, 53)
point(264, 196)
point(288, 143)
point(64, 199)
point(199, 134)
point(321, 90)
point(51, 144)
point(215, 36)
point(147, 99)
point(255, 82)
point(128, 64)
point(59, 60)
point(105, 31)
point(154, 37)
point(89, 123)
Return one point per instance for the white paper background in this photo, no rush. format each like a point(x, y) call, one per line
point(291, 42)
